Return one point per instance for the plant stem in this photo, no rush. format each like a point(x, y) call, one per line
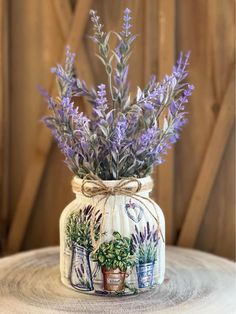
point(110, 87)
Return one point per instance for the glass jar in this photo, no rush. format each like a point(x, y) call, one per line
point(130, 257)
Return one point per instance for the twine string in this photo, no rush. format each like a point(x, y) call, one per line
point(93, 186)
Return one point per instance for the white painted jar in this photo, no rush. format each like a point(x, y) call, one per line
point(131, 254)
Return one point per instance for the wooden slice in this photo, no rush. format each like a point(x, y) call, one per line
point(196, 282)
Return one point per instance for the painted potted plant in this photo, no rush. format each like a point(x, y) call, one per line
point(145, 244)
point(114, 258)
point(113, 152)
point(79, 240)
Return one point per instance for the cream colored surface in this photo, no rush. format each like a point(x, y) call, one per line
point(195, 282)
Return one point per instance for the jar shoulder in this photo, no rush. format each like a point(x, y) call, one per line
point(73, 205)
point(160, 213)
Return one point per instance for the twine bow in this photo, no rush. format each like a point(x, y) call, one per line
point(93, 186)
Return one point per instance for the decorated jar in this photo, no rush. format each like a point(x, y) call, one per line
point(112, 238)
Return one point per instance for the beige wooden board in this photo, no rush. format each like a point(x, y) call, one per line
point(24, 75)
point(209, 168)
point(166, 56)
point(25, 136)
point(4, 122)
point(159, 53)
point(41, 148)
point(220, 210)
point(58, 15)
point(195, 283)
point(208, 31)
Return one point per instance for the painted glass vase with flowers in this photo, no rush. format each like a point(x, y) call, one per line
point(112, 154)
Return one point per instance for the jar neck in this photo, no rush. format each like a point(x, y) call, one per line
point(144, 193)
point(126, 186)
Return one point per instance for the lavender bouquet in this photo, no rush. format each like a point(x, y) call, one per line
point(125, 136)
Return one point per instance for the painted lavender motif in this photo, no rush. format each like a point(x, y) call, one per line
point(145, 246)
point(112, 152)
point(79, 240)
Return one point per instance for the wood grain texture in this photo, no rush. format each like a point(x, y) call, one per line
point(4, 122)
point(28, 108)
point(220, 237)
point(209, 36)
point(195, 282)
point(209, 168)
point(56, 178)
point(43, 211)
point(166, 57)
point(195, 136)
point(40, 152)
point(64, 15)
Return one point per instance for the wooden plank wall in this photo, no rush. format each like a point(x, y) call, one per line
point(4, 122)
point(208, 32)
point(37, 31)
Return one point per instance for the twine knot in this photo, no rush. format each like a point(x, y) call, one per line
point(93, 186)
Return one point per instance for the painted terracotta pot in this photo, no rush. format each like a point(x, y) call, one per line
point(113, 279)
point(131, 242)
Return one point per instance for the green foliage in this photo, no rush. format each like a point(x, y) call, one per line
point(78, 228)
point(116, 253)
point(85, 283)
point(147, 253)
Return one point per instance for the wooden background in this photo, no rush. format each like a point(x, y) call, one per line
point(195, 187)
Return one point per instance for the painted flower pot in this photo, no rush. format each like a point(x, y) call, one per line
point(145, 273)
point(129, 226)
point(114, 279)
point(81, 275)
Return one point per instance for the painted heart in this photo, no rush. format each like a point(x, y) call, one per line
point(134, 212)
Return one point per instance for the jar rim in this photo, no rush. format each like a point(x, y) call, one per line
point(146, 182)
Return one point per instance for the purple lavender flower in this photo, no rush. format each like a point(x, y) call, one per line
point(125, 136)
point(99, 218)
point(98, 32)
point(148, 228)
point(179, 70)
point(65, 75)
point(117, 140)
point(100, 105)
point(144, 233)
point(134, 239)
point(79, 272)
point(82, 268)
point(146, 248)
point(148, 106)
point(101, 100)
point(87, 210)
point(126, 23)
point(146, 139)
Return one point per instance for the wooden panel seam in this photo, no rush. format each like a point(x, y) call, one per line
point(166, 56)
point(4, 123)
point(208, 171)
point(42, 147)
